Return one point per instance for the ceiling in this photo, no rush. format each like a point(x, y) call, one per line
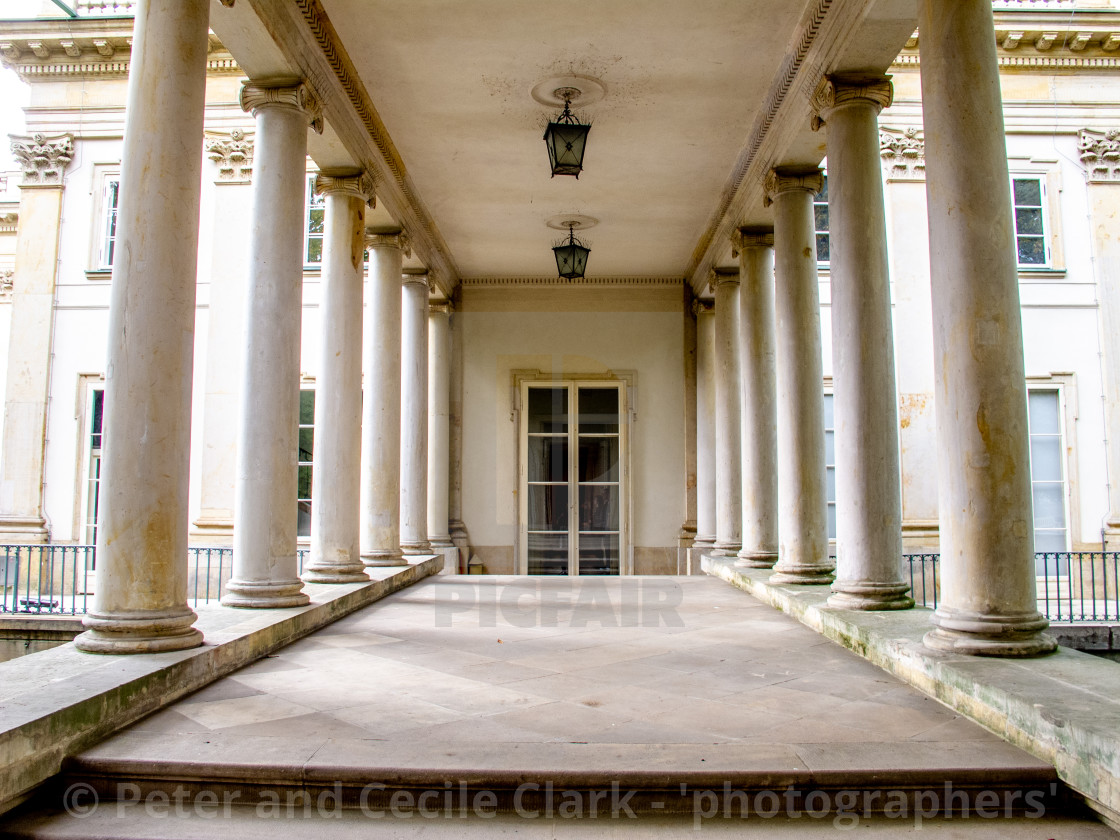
point(699, 99)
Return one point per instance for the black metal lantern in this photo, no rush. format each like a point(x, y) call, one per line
point(566, 138)
point(571, 256)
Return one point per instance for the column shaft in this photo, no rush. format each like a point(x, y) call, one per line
point(705, 427)
point(987, 535)
point(802, 523)
point(439, 430)
point(414, 415)
point(336, 478)
point(265, 565)
point(759, 411)
point(729, 487)
point(868, 482)
point(140, 605)
point(381, 408)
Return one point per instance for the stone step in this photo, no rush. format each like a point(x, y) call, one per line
point(108, 821)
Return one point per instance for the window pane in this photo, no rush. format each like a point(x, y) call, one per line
point(1049, 509)
point(1043, 409)
point(548, 410)
point(1028, 221)
point(823, 194)
point(828, 411)
point(306, 408)
point(303, 520)
point(1028, 191)
point(1046, 458)
point(315, 220)
point(830, 483)
point(829, 449)
point(822, 247)
point(314, 250)
point(598, 554)
point(820, 217)
point(1051, 541)
point(304, 487)
point(598, 459)
point(548, 554)
point(598, 410)
point(832, 522)
point(548, 459)
point(548, 507)
point(306, 443)
point(598, 507)
point(1032, 251)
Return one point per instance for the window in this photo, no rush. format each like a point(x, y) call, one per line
point(306, 458)
point(1029, 200)
point(1048, 480)
point(573, 514)
point(95, 415)
point(820, 222)
point(313, 225)
point(107, 235)
point(830, 465)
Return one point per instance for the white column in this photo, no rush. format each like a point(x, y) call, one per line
point(439, 430)
point(265, 566)
point(729, 487)
point(759, 412)
point(414, 415)
point(381, 408)
point(868, 482)
point(802, 512)
point(337, 476)
point(141, 600)
point(705, 426)
point(987, 529)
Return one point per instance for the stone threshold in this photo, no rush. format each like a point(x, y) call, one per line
point(59, 702)
point(1063, 708)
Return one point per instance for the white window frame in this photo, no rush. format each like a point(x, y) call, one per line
point(311, 202)
point(830, 502)
point(625, 383)
point(106, 177)
point(88, 460)
point(1045, 212)
point(1064, 385)
point(817, 234)
point(306, 386)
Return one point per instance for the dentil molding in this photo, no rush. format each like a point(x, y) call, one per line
point(43, 158)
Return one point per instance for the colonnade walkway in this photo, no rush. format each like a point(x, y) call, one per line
point(529, 706)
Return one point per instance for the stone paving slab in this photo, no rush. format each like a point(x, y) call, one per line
point(1063, 708)
point(60, 701)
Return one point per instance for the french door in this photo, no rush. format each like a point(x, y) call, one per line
point(572, 478)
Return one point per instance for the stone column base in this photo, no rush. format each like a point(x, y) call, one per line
point(418, 547)
point(803, 574)
point(320, 572)
point(976, 634)
point(265, 594)
point(724, 549)
point(147, 632)
point(384, 558)
point(866, 595)
point(757, 559)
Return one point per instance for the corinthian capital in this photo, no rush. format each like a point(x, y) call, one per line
point(43, 159)
point(357, 185)
point(398, 239)
point(298, 96)
point(751, 237)
point(720, 276)
point(843, 89)
point(1100, 152)
point(233, 153)
point(789, 179)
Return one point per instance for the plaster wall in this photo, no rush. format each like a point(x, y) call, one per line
point(567, 332)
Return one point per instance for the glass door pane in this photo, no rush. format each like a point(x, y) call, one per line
point(548, 496)
point(598, 480)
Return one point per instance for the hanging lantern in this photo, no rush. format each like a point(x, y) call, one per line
point(566, 138)
point(571, 256)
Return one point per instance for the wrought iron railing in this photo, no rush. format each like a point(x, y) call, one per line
point(61, 579)
point(1072, 586)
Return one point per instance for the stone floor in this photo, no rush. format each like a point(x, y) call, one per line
point(539, 661)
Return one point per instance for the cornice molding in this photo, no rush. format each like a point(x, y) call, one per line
point(903, 152)
point(840, 89)
point(233, 153)
point(504, 282)
point(9, 223)
point(358, 185)
point(782, 180)
point(399, 240)
point(43, 158)
point(1100, 153)
point(296, 96)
